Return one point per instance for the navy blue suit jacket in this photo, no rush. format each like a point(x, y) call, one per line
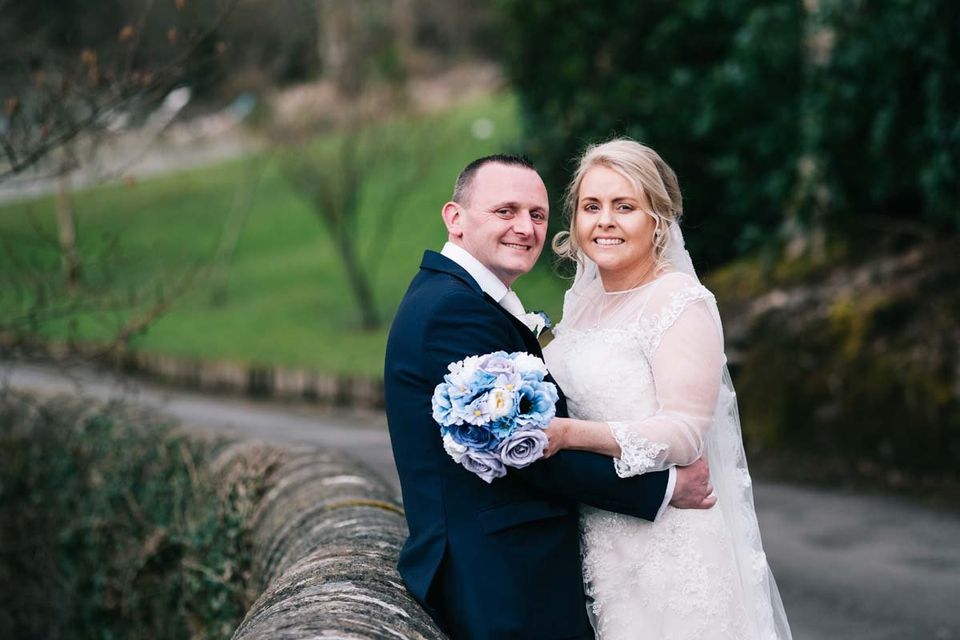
point(498, 560)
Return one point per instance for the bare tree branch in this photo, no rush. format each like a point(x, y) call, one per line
point(49, 117)
point(335, 174)
point(233, 227)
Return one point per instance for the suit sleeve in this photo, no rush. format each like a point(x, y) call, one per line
point(465, 325)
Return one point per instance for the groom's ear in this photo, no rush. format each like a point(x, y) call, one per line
point(453, 218)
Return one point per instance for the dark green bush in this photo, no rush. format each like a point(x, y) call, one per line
point(114, 526)
point(712, 86)
point(885, 110)
point(734, 94)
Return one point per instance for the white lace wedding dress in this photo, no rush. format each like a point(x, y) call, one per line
point(650, 363)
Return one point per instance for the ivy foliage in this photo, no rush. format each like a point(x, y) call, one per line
point(733, 96)
point(885, 109)
point(114, 526)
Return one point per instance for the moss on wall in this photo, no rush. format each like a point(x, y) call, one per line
point(859, 363)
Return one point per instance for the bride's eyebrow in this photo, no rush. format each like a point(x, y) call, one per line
point(617, 199)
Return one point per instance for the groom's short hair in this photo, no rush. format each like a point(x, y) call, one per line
point(461, 192)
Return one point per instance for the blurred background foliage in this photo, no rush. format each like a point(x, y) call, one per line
point(777, 115)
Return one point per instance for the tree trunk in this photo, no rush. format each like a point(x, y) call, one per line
point(233, 228)
point(806, 216)
point(339, 29)
point(67, 227)
point(354, 36)
point(358, 280)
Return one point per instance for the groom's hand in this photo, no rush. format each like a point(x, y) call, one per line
point(693, 489)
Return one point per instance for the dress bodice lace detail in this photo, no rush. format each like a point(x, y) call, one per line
point(655, 424)
point(655, 325)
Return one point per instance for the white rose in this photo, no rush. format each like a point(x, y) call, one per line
point(499, 403)
point(526, 363)
point(453, 448)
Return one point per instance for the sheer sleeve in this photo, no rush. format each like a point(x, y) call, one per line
point(685, 349)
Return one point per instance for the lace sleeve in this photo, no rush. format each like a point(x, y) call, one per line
point(684, 345)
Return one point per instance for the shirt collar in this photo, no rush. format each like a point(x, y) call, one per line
point(491, 284)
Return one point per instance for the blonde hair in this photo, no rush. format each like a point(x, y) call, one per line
point(652, 178)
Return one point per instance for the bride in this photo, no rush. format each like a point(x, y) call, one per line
point(639, 354)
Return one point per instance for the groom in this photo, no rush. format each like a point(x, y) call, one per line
point(498, 560)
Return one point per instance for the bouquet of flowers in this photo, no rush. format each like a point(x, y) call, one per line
point(492, 410)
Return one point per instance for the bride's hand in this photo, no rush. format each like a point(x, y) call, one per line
point(556, 433)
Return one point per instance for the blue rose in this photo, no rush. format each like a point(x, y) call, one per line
point(498, 363)
point(475, 437)
point(486, 464)
point(523, 448)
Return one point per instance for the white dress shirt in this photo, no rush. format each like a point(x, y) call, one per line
point(493, 287)
point(491, 284)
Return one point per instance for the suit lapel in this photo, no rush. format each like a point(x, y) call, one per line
point(433, 261)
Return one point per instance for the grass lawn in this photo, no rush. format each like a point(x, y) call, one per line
point(288, 302)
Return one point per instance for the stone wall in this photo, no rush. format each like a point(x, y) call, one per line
point(326, 538)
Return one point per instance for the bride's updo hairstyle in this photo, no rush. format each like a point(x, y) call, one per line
point(652, 178)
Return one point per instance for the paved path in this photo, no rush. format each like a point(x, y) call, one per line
point(132, 156)
point(849, 567)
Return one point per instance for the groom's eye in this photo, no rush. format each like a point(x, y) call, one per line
point(503, 213)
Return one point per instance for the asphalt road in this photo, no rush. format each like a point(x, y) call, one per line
point(849, 566)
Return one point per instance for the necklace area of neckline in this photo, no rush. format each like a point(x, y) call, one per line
point(604, 291)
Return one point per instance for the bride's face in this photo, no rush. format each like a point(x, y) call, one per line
point(614, 227)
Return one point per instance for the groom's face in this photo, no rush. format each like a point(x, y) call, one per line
point(503, 221)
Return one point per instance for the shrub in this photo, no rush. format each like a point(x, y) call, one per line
point(114, 526)
point(710, 85)
point(887, 126)
point(735, 94)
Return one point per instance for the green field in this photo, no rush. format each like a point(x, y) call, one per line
point(288, 303)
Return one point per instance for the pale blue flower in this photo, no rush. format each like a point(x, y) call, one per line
point(537, 405)
point(477, 412)
point(503, 428)
point(444, 411)
point(465, 389)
